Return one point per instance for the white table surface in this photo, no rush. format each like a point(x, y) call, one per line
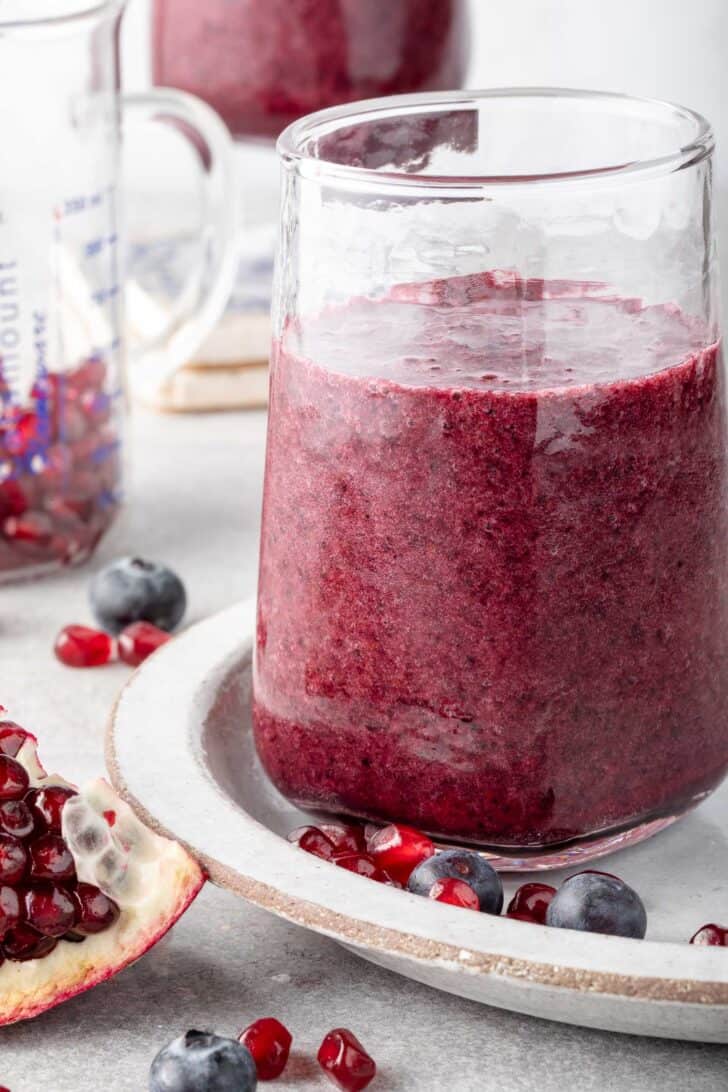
point(194, 503)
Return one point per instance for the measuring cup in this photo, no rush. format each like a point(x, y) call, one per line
point(63, 294)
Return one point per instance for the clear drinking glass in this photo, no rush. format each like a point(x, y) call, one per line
point(62, 282)
point(493, 596)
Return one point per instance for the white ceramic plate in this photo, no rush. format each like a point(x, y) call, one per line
point(180, 750)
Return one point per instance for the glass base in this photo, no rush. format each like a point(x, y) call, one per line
point(574, 854)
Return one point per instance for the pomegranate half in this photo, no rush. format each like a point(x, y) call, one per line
point(126, 885)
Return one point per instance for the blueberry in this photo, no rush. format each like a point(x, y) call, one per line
point(202, 1062)
point(460, 864)
point(597, 903)
point(131, 590)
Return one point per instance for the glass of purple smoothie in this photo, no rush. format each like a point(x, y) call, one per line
point(493, 597)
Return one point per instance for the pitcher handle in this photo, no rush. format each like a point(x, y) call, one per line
point(170, 338)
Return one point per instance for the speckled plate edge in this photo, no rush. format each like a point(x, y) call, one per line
point(156, 761)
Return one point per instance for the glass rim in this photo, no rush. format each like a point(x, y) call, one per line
point(291, 144)
point(79, 12)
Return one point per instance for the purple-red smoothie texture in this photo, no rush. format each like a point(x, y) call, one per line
point(493, 596)
point(264, 63)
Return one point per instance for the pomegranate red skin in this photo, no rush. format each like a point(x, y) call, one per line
point(345, 1061)
point(269, 1041)
point(81, 646)
point(715, 935)
point(398, 849)
point(531, 901)
point(138, 641)
point(455, 893)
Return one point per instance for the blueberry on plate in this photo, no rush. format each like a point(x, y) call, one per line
point(460, 864)
point(133, 590)
point(598, 903)
point(202, 1062)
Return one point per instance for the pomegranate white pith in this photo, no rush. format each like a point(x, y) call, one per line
point(152, 879)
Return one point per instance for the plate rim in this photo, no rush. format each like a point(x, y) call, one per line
point(358, 932)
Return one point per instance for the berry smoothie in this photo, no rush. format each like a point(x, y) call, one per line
point(264, 63)
point(493, 584)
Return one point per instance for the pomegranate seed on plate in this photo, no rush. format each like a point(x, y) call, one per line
point(345, 836)
point(345, 1061)
point(712, 934)
point(362, 865)
point(313, 841)
point(13, 779)
point(398, 849)
point(455, 893)
point(81, 646)
point(140, 640)
point(13, 501)
point(270, 1044)
point(531, 901)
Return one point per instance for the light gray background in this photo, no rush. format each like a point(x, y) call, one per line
point(195, 502)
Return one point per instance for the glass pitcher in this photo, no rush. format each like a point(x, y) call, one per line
point(493, 595)
point(63, 347)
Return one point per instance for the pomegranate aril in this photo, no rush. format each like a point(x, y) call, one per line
point(454, 893)
point(344, 836)
point(362, 865)
point(138, 641)
point(13, 860)
point(345, 1061)
point(51, 859)
point(398, 849)
point(13, 779)
point(81, 646)
point(16, 818)
point(13, 501)
point(25, 432)
point(95, 911)
point(313, 841)
point(12, 737)
point(23, 943)
point(11, 910)
point(49, 909)
point(270, 1044)
point(519, 915)
point(48, 804)
point(712, 934)
point(33, 530)
point(531, 901)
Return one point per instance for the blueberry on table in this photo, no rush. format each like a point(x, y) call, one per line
point(133, 590)
point(202, 1062)
point(595, 902)
point(460, 864)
